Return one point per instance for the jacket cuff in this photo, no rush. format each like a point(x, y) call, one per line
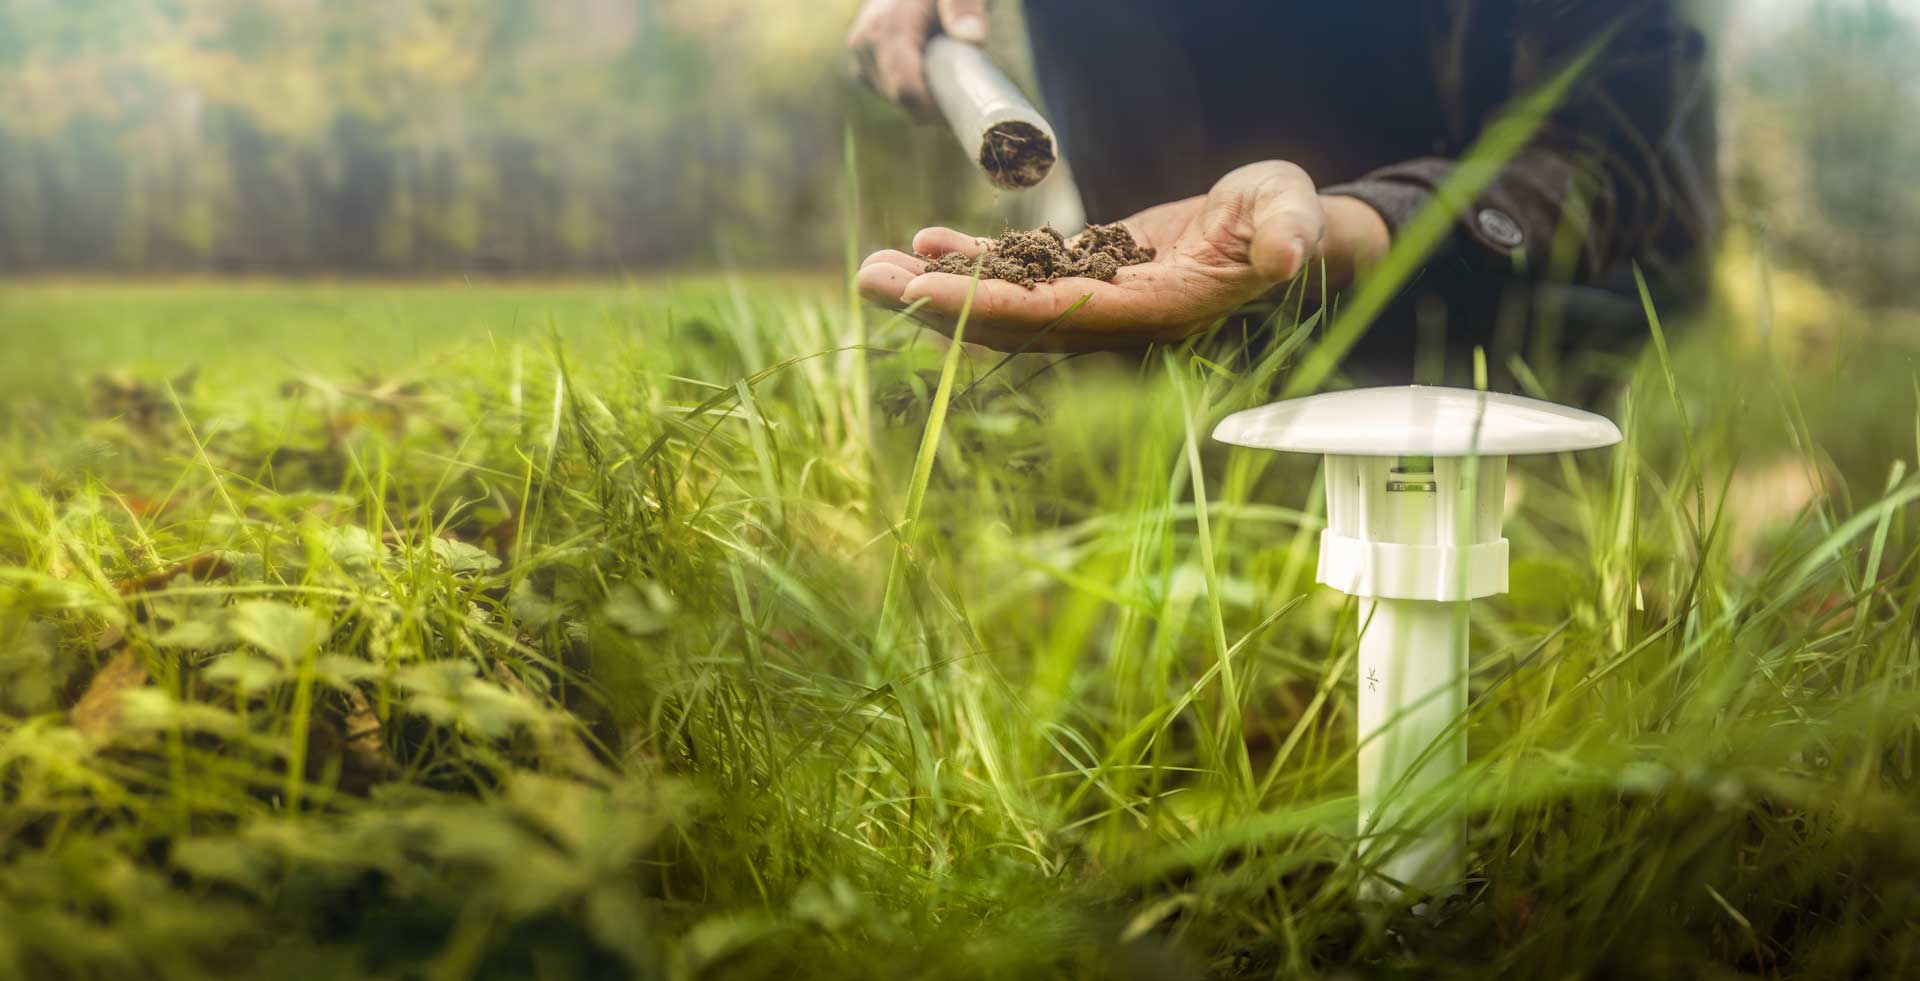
point(1396, 201)
point(1491, 227)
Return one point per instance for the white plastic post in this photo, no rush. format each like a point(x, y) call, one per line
point(1415, 485)
point(1413, 693)
point(1415, 538)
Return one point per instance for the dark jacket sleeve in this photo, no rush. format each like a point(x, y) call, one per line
point(1624, 166)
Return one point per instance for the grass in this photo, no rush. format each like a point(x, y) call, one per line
point(661, 630)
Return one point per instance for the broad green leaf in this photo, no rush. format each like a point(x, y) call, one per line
point(718, 937)
point(449, 693)
point(246, 673)
point(31, 670)
point(284, 632)
point(616, 917)
point(831, 905)
point(354, 548)
point(532, 611)
point(153, 710)
point(640, 608)
point(462, 557)
point(198, 633)
point(341, 671)
point(225, 860)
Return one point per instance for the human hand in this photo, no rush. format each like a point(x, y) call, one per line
point(1261, 225)
point(889, 37)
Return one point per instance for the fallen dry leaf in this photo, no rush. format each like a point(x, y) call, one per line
point(200, 568)
point(353, 738)
point(97, 711)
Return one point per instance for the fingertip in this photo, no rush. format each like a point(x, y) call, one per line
point(945, 292)
point(1280, 259)
point(963, 20)
point(894, 257)
point(968, 27)
point(884, 283)
point(938, 241)
point(897, 65)
point(927, 286)
point(911, 97)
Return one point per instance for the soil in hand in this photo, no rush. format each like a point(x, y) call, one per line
point(1042, 256)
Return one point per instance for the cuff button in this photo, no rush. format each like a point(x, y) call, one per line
point(1500, 228)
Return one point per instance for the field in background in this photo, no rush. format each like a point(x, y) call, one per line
point(240, 330)
point(484, 630)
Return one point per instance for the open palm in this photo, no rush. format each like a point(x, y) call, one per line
point(1258, 227)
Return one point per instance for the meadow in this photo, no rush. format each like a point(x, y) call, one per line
point(720, 627)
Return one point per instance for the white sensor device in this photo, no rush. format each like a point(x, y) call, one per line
point(1416, 481)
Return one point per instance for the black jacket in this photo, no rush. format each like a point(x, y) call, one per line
point(1154, 100)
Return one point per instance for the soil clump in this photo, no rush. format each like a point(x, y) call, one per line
point(1015, 155)
point(1043, 255)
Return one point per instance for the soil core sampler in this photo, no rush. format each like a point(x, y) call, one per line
point(1000, 130)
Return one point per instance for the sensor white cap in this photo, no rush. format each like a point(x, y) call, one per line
point(1417, 420)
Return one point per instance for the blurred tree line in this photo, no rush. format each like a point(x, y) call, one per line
point(1825, 154)
point(543, 136)
point(434, 135)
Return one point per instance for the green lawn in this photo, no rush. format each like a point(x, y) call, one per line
point(58, 331)
point(661, 629)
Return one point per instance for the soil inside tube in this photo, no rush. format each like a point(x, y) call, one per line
point(1015, 155)
point(1043, 255)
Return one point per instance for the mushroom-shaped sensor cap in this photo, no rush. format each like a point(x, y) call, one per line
point(1417, 420)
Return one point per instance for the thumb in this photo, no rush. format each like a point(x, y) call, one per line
point(964, 20)
point(1267, 215)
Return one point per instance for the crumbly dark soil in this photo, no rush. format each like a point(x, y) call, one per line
point(1015, 155)
point(1042, 256)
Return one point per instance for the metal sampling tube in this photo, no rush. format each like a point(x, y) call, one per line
point(994, 122)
